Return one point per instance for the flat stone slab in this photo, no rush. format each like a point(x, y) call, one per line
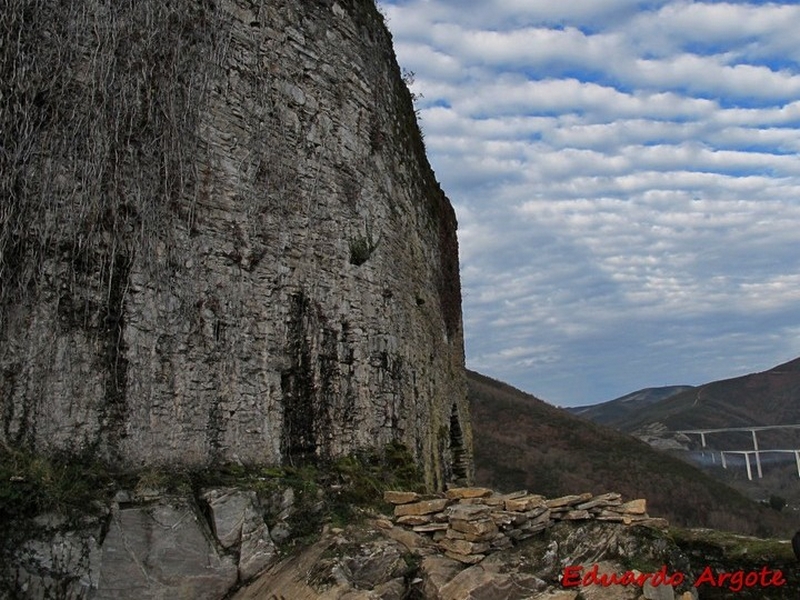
point(431, 527)
point(652, 522)
point(524, 503)
point(577, 515)
point(633, 507)
point(414, 520)
point(468, 492)
point(463, 546)
point(171, 537)
point(468, 512)
point(568, 500)
point(475, 530)
point(609, 499)
point(424, 507)
point(397, 497)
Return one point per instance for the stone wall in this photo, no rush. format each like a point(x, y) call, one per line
point(222, 239)
point(469, 523)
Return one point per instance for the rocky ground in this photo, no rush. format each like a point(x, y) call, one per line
point(476, 544)
point(374, 562)
point(470, 543)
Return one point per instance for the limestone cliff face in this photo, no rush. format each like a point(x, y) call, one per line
point(221, 239)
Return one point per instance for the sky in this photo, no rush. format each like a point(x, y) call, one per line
point(626, 178)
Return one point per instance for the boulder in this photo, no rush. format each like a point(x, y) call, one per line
point(238, 524)
point(162, 551)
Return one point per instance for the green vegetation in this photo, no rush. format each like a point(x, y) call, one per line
point(723, 552)
point(362, 247)
point(73, 493)
point(76, 487)
point(734, 547)
point(335, 492)
point(31, 485)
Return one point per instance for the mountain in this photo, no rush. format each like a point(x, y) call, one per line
point(620, 410)
point(767, 398)
point(523, 442)
point(763, 399)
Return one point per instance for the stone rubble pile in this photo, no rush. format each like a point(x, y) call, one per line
point(467, 523)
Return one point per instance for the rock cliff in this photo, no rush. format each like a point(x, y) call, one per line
point(220, 239)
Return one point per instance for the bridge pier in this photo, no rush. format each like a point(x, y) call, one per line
point(758, 458)
point(747, 462)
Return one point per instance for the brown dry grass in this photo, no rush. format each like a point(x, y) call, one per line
point(96, 137)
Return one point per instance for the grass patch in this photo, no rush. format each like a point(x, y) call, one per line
point(360, 480)
point(336, 492)
point(734, 546)
point(31, 485)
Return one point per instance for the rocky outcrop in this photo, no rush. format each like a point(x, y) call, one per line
point(403, 563)
point(147, 545)
point(221, 240)
point(239, 524)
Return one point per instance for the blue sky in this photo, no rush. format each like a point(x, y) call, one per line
point(626, 177)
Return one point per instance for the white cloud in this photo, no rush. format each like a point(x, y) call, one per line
point(627, 182)
point(711, 76)
point(749, 30)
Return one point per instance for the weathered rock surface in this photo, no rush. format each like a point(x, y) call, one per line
point(238, 524)
point(173, 547)
point(64, 564)
point(229, 245)
point(162, 551)
point(532, 570)
point(148, 545)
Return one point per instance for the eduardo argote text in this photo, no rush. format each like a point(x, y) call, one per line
point(735, 581)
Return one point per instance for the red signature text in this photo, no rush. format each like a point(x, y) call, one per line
point(572, 577)
point(735, 581)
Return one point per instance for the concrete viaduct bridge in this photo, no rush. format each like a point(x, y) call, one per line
point(756, 452)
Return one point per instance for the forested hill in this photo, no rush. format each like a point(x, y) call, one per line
point(523, 442)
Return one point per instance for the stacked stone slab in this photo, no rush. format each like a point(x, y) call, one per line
point(467, 523)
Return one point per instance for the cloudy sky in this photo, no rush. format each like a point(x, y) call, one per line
point(627, 181)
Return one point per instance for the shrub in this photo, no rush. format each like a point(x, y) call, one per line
point(362, 247)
